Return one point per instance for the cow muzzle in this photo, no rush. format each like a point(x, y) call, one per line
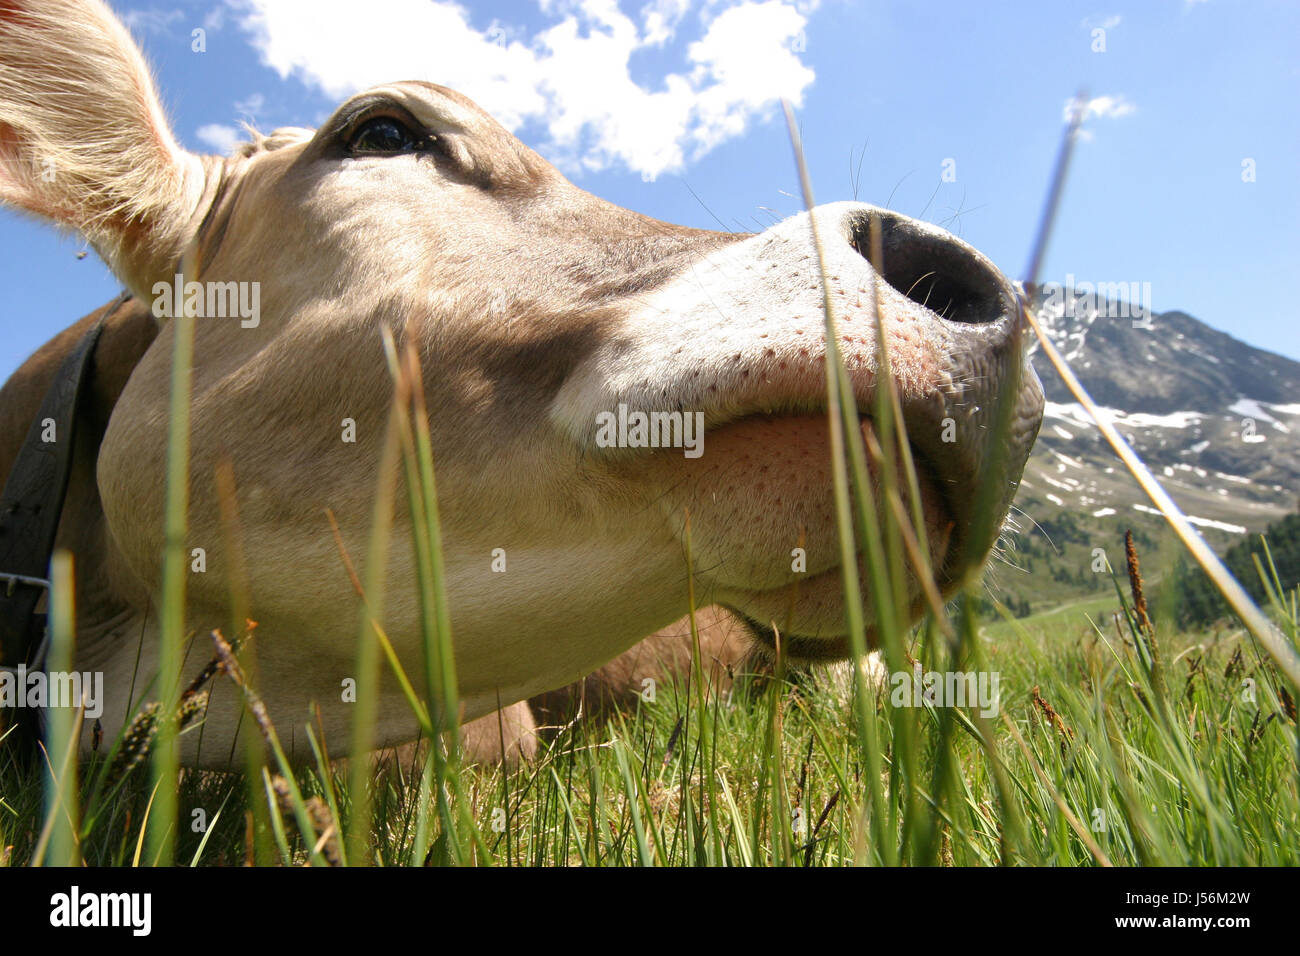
point(735, 348)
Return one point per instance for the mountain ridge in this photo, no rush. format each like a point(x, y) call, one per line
point(1215, 419)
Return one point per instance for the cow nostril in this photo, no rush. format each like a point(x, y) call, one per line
point(934, 270)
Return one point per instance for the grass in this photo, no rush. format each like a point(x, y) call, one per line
point(1114, 742)
point(770, 773)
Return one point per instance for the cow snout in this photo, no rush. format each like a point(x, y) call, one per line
point(736, 343)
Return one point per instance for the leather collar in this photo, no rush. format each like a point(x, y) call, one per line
point(30, 507)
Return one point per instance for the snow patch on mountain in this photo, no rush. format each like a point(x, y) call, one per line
point(1074, 412)
point(1199, 522)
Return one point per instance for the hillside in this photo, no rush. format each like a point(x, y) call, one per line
point(1217, 421)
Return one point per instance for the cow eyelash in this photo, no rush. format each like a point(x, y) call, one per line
point(383, 134)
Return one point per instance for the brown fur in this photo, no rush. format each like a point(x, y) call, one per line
point(129, 330)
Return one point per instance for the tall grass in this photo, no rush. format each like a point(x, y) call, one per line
point(58, 840)
point(1092, 763)
point(166, 751)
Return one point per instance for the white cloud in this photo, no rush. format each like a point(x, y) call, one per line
point(152, 20)
point(1106, 23)
point(571, 78)
point(251, 106)
point(749, 53)
point(659, 20)
point(1106, 107)
point(220, 137)
point(216, 18)
point(1099, 107)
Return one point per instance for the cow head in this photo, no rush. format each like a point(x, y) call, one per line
point(550, 326)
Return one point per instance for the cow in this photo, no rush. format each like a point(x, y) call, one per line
point(547, 323)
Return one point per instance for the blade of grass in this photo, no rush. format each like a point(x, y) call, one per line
point(207, 834)
point(842, 416)
point(62, 794)
point(254, 758)
point(277, 821)
point(230, 666)
point(367, 663)
point(440, 675)
point(166, 753)
point(148, 810)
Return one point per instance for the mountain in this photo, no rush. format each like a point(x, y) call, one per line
point(1216, 420)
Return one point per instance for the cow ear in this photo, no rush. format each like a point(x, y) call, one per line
point(83, 139)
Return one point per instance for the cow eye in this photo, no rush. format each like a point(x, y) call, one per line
point(383, 134)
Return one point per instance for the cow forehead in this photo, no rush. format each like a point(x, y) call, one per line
point(437, 107)
point(475, 148)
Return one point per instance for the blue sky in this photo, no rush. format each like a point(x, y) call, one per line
point(669, 108)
